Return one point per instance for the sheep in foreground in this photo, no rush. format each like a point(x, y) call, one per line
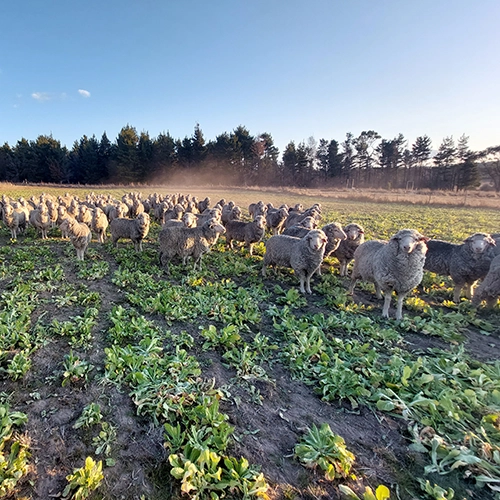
point(489, 288)
point(12, 220)
point(465, 263)
point(39, 218)
point(355, 236)
point(303, 255)
point(99, 224)
point(175, 241)
point(335, 235)
point(134, 229)
point(393, 266)
point(79, 235)
point(248, 232)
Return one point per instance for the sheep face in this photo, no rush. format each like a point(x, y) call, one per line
point(408, 240)
point(316, 239)
point(189, 219)
point(260, 221)
point(479, 242)
point(215, 226)
point(335, 232)
point(143, 220)
point(353, 231)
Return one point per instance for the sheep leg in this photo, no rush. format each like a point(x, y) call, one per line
point(302, 279)
point(343, 268)
point(378, 292)
point(352, 285)
point(456, 293)
point(468, 290)
point(387, 303)
point(308, 282)
point(399, 307)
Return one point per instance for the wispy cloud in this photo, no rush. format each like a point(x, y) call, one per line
point(41, 96)
point(84, 93)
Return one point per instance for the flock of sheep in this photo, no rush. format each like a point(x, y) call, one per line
point(190, 228)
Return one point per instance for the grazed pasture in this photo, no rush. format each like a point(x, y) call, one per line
point(228, 362)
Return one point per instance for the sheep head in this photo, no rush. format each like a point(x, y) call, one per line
point(479, 242)
point(353, 231)
point(316, 239)
point(406, 240)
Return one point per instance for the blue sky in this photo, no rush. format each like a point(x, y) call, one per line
point(294, 69)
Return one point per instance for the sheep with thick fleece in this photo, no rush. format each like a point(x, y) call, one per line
point(300, 229)
point(275, 218)
point(355, 235)
point(80, 236)
point(99, 224)
point(183, 242)
point(295, 218)
point(188, 219)
point(11, 219)
point(303, 255)
point(489, 288)
point(248, 232)
point(134, 229)
point(393, 266)
point(465, 263)
point(39, 218)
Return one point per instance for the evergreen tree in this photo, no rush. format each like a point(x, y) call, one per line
point(126, 165)
point(348, 156)
point(199, 148)
point(145, 156)
point(290, 164)
point(8, 172)
point(164, 157)
point(266, 154)
point(104, 158)
point(422, 149)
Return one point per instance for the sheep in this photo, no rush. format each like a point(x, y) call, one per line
point(355, 236)
point(80, 236)
point(204, 205)
point(249, 232)
point(300, 229)
point(187, 220)
point(84, 215)
point(39, 218)
point(303, 255)
point(134, 229)
point(188, 242)
point(396, 265)
point(12, 219)
point(275, 218)
point(465, 263)
point(295, 217)
point(258, 208)
point(209, 213)
point(99, 224)
point(489, 288)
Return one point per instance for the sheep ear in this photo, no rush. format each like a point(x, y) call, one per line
point(425, 239)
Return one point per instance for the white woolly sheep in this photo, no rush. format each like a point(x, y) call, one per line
point(134, 229)
point(355, 235)
point(80, 236)
point(489, 288)
point(300, 229)
point(248, 232)
point(393, 266)
point(12, 219)
point(186, 242)
point(465, 263)
point(275, 218)
point(40, 220)
point(99, 224)
point(303, 255)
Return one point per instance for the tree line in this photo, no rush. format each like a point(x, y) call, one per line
point(239, 158)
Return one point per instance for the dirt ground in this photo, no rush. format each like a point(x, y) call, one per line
point(266, 433)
